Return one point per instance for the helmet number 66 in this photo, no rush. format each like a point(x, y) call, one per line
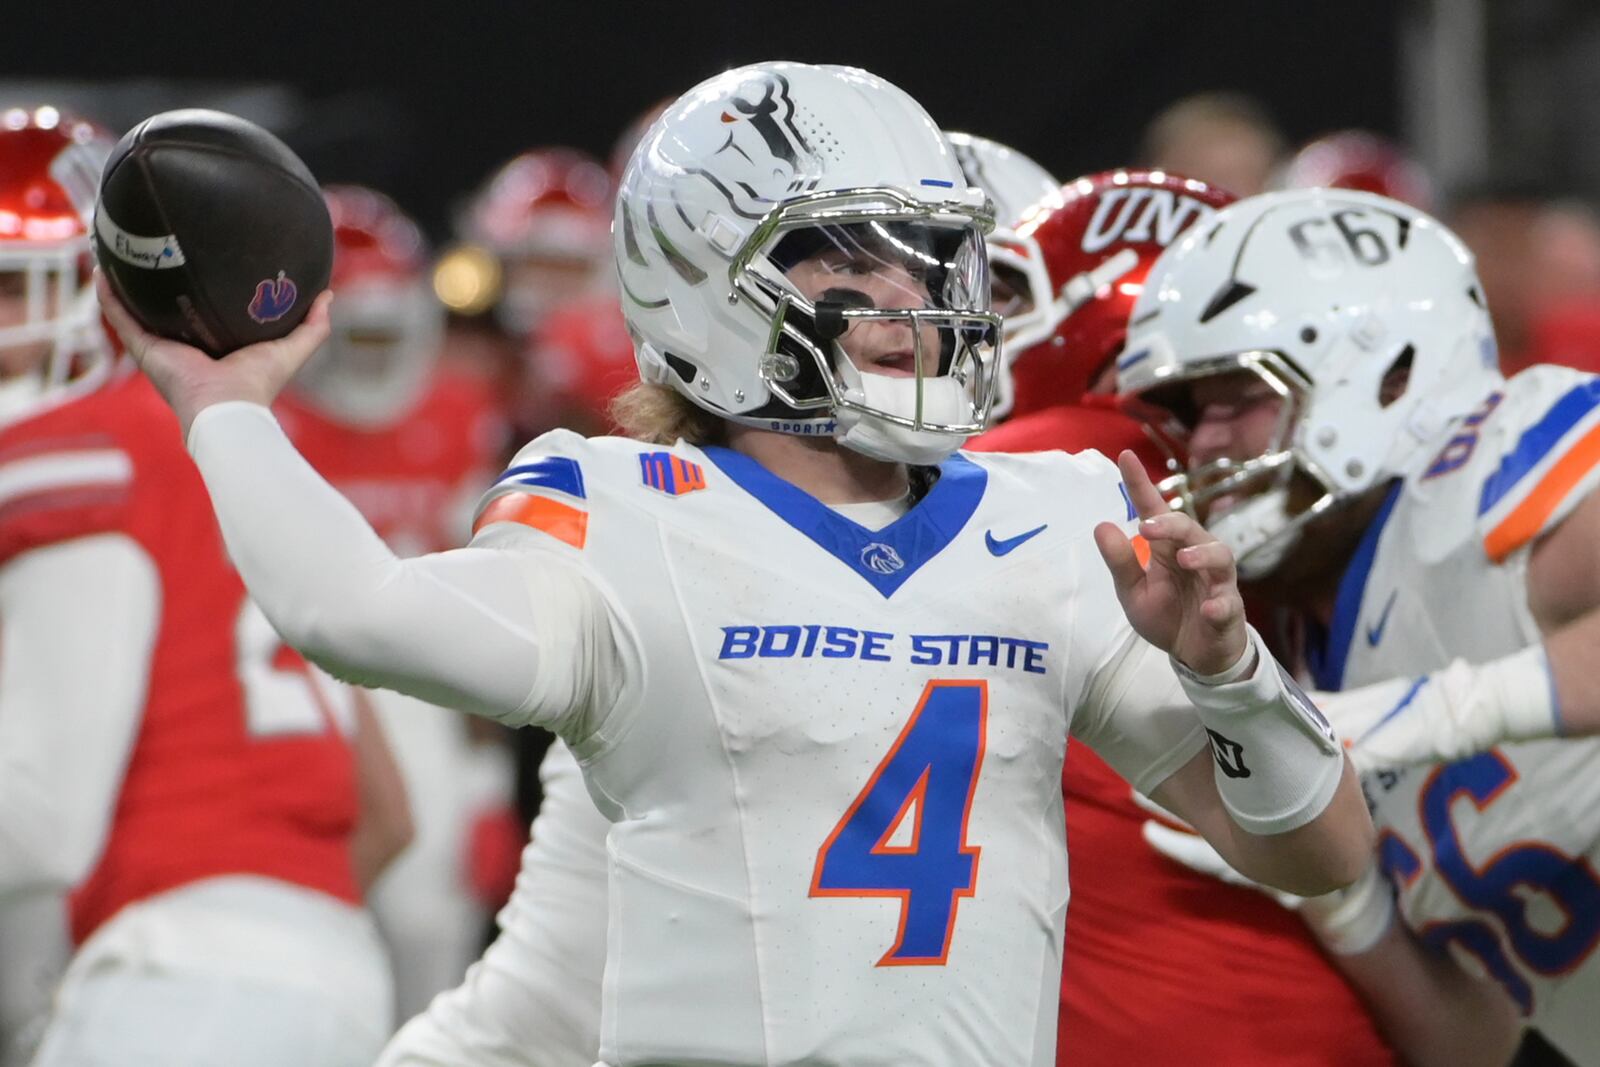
point(1313, 239)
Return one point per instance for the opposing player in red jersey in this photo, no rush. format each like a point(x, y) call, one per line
point(1160, 965)
point(546, 217)
point(1360, 160)
point(409, 443)
point(163, 755)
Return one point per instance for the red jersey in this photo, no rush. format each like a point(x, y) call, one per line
point(1566, 333)
point(417, 479)
point(238, 766)
point(1161, 964)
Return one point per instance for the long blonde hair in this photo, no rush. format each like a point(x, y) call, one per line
point(660, 415)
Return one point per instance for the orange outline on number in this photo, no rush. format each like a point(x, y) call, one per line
point(1500, 854)
point(975, 851)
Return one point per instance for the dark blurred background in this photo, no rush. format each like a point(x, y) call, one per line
point(423, 100)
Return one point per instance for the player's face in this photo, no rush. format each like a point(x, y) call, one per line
point(864, 275)
point(1238, 417)
point(18, 359)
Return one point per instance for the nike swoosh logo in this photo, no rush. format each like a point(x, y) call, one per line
point(1001, 547)
point(1375, 632)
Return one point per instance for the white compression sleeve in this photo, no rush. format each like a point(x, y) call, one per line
point(78, 625)
point(1278, 763)
point(454, 628)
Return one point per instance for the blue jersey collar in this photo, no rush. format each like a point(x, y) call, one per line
point(886, 557)
point(1328, 650)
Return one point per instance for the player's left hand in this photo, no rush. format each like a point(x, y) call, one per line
point(190, 380)
point(1186, 601)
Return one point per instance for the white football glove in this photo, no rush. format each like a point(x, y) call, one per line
point(1457, 711)
point(1347, 921)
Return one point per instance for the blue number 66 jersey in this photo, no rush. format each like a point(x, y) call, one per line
point(1497, 857)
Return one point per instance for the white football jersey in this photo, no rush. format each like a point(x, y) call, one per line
point(833, 755)
point(1494, 856)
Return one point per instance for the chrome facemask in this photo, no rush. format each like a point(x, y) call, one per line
point(881, 247)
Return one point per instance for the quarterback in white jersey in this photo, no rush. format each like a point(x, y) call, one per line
point(522, 1006)
point(818, 668)
point(1353, 441)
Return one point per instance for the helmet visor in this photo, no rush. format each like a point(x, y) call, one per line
point(883, 297)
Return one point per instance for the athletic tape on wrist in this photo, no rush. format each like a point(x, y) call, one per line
point(1278, 760)
point(1352, 920)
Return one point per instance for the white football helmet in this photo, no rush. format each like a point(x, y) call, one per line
point(771, 167)
point(1021, 190)
point(1014, 182)
point(1325, 295)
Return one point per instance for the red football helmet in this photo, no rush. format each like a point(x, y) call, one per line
point(1086, 256)
point(386, 324)
point(1356, 159)
point(52, 342)
point(546, 215)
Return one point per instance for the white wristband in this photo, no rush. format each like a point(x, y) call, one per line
point(1278, 761)
point(1352, 920)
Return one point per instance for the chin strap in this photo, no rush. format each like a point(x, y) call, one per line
point(943, 401)
point(1259, 531)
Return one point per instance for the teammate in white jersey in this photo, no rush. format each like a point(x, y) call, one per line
point(808, 731)
point(1352, 440)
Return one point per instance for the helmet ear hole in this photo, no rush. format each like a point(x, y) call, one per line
point(1395, 380)
point(680, 366)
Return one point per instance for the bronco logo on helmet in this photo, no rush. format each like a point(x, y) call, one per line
point(763, 107)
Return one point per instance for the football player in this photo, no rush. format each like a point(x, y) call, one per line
point(1351, 438)
point(524, 1005)
point(410, 444)
point(163, 755)
point(1224, 138)
point(543, 216)
point(1143, 931)
point(810, 696)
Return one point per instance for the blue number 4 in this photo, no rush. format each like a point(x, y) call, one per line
point(928, 777)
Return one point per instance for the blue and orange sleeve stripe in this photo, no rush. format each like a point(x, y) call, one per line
point(1562, 433)
point(568, 523)
point(562, 521)
point(1527, 520)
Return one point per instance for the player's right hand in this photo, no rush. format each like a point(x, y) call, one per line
point(191, 381)
point(1186, 601)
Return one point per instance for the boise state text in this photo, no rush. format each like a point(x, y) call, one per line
point(847, 642)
